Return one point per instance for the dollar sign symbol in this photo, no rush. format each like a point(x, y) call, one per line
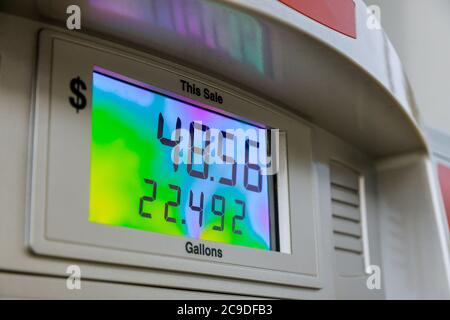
point(79, 102)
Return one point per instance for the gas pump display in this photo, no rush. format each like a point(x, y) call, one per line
point(154, 165)
point(163, 165)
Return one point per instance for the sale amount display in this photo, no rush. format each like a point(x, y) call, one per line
point(163, 165)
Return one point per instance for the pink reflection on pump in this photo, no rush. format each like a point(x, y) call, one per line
point(236, 35)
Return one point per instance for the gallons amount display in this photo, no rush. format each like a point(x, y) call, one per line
point(163, 165)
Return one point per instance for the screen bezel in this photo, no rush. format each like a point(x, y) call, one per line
point(59, 223)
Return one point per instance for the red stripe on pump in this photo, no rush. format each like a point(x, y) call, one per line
point(444, 180)
point(338, 15)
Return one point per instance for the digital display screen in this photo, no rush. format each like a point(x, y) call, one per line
point(163, 165)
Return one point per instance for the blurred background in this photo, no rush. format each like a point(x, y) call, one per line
point(420, 32)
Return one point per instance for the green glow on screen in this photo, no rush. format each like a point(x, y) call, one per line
point(135, 184)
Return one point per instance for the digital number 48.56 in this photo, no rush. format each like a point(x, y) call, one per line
point(198, 128)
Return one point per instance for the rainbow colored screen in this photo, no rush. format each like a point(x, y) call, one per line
point(154, 167)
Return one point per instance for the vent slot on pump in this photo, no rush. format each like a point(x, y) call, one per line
point(346, 218)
